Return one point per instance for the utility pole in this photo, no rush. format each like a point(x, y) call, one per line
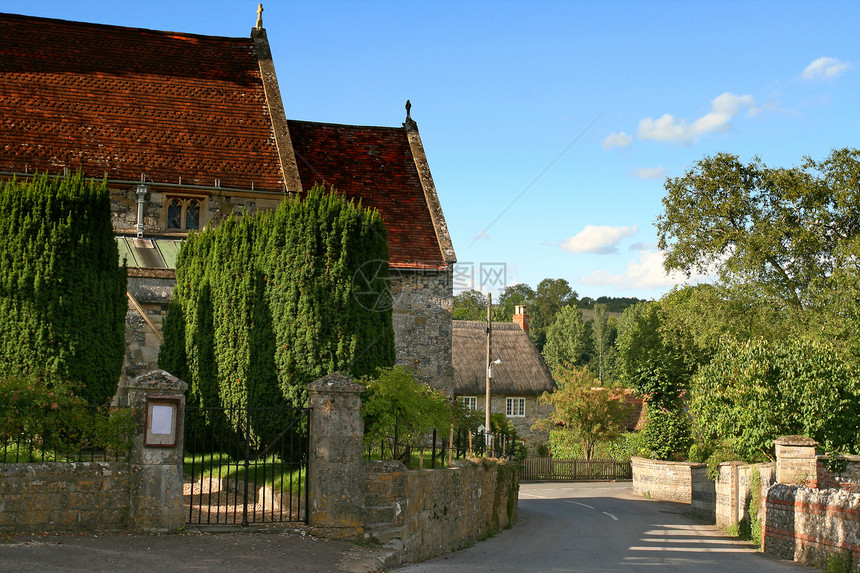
point(488, 435)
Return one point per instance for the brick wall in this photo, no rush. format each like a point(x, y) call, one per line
point(423, 513)
point(64, 496)
point(848, 479)
point(808, 525)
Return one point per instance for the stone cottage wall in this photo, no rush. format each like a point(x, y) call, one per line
point(423, 302)
point(523, 425)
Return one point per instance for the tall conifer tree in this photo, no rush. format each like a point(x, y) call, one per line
point(62, 292)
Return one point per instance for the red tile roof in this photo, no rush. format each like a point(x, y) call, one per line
point(126, 101)
point(376, 165)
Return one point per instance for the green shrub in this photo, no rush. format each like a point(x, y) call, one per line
point(52, 422)
point(395, 403)
point(666, 434)
point(62, 290)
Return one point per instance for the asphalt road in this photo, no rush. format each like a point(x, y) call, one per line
point(603, 527)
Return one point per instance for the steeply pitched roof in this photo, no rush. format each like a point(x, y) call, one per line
point(376, 165)
point(126, 101)
point(522, 371)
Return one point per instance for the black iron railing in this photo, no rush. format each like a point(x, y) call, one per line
point(246, 465)
point(440, 448)
point(80, 434)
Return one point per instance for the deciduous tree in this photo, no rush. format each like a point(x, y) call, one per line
point(593, 413)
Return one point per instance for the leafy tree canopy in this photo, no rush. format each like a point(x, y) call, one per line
point(754, 391)
point(786, 231)
point(593, 413)
point(470, 305)
point(566, 339)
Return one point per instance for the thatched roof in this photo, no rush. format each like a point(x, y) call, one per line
point(522, 370)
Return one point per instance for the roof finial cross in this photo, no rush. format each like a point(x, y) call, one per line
point(259, 16)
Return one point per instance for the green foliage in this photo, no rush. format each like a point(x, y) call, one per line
point(836, 562)
point(566, 444)
point(267, 303)
point(58, 423)
point(646, 361)
point(781, 231)
point(470, 305)
point(62, 292)
point(666, 434)
point(396, 403)
point(603, 335)
point(566, 339)
point(592, 413)
point(612, 303)
point(755, 391)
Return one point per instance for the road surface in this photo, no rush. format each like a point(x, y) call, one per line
point(602, 526)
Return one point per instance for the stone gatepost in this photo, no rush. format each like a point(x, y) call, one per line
point(336, 471)
point(158, 399)
point(796, 462)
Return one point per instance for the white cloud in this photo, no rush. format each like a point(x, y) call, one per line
point(668, 128)
point(650, 173)
point(617, 140)
point(824, 68)
point(646, 273)
point(601, 240)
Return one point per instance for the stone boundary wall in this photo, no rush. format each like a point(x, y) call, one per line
point(667, 481)
point(703, 494)
point(734, 491)
point(80, 496)
point(414, 514)
point(419, 514)
point(142, 494)
point(809, 525)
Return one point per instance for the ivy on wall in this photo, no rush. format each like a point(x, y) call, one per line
point(62, 294)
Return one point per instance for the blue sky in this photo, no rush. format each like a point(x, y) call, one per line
point(550, 127)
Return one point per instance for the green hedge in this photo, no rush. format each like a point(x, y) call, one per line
point(62, 294)
point(265, 304)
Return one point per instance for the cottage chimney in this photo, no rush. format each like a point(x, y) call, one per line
point(521, 318)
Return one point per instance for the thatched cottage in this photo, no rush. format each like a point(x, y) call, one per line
point(518, 381)
point(187, 129)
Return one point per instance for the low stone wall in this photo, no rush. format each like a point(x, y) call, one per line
point(141, 494)
point(668, 481)
point(423, 513)
point(734, 491)
point(65, 496)
point(703, 495)
point(811, 525)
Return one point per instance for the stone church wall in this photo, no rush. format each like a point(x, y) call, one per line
point(423, 303)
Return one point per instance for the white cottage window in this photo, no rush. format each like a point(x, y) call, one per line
point(469, 402)
point(515, 407)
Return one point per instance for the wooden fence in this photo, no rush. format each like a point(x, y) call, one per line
point(574, 469)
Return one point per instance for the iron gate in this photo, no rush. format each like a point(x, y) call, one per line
point(246, 466)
